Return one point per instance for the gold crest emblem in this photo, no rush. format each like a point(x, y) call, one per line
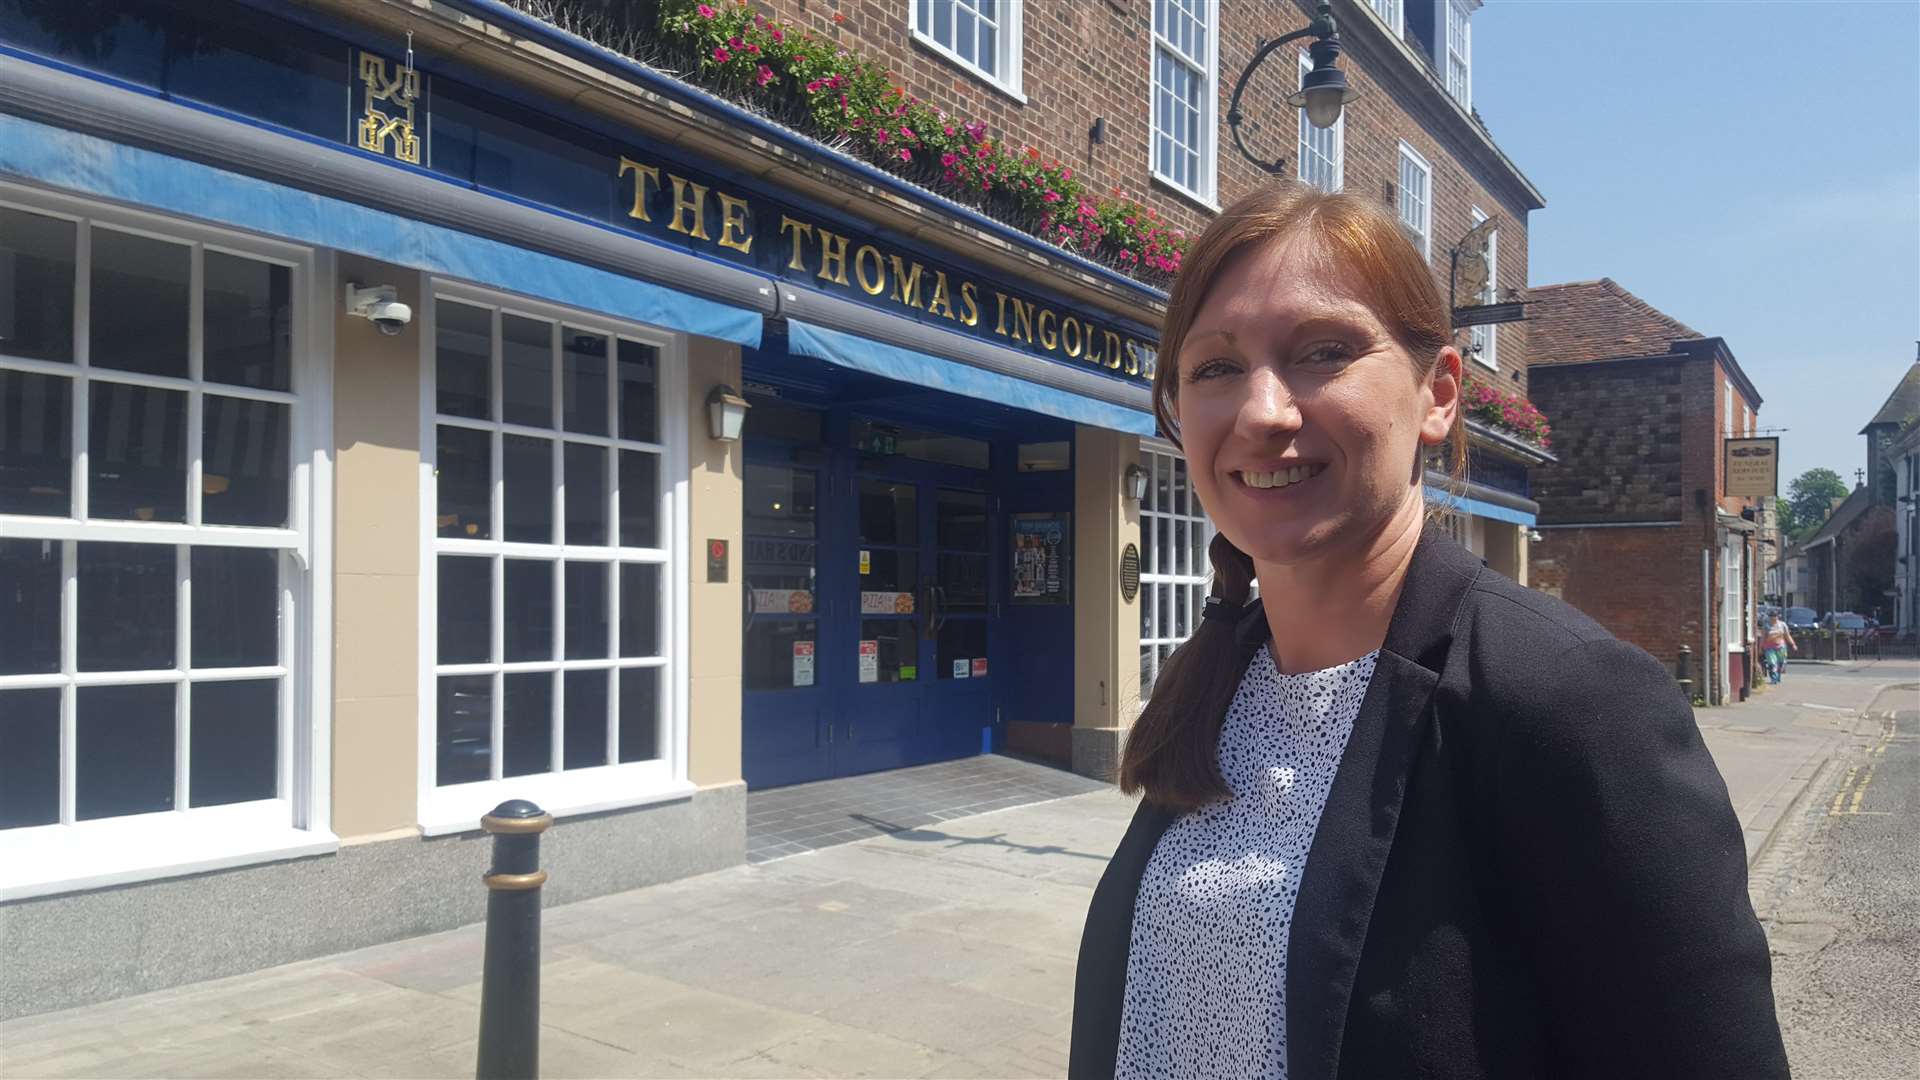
point(395, 122)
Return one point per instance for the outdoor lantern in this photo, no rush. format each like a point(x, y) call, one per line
point(726, 413)
point(1135, 483)
point(1323, 93)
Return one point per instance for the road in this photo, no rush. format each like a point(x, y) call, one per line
point(1838, 889)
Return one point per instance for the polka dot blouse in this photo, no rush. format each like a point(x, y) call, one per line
point(1206, 991)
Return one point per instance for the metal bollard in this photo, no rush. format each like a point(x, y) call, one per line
point(510, 976)
point(1684, 671)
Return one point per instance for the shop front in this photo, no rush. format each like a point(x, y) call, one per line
point(357, 473)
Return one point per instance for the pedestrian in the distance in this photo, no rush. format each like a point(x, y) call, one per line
point(1778, 640)
point(1402, 817)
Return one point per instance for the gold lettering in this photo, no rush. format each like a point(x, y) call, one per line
point(1133, 357)
point(1048, 339)
point(940, 304)
point(683, 208)
point(1093, 345)
point(641, 174)
point(879, 283)
point(733, 224)
point(972, 301)
point(833, 253)
point(797, 229)
point(1113, 353)
point(906, 284)
point(1070, 335)
point(1000, 326)
point(1023, 320)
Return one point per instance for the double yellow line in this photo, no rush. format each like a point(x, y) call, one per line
point(1841, 803)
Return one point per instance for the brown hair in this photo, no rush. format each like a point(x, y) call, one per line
point(1171, 752)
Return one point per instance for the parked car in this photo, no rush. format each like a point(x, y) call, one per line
point(1801, 618)
point(1845, 622)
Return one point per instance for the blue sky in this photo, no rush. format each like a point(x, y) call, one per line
point(1750, 168)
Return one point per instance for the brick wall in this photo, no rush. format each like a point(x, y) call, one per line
point(1092, 59)
point(1616, 431)
point(1640, 582)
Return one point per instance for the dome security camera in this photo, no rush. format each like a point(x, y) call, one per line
point(379, 304)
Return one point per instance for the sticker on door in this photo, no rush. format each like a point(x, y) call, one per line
point(870, 661)
point(803, 663)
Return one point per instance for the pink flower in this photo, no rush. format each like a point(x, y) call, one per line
point(1066, 174)
point(706, 12)
point(765, 76)
point(735, 41)
point(906, 132)
point(948, 129)
point(753, 50)
point(813, 87)
point(1051, 196)
point(948, 159)
point(760, 21)
point(880, 133)
point(777, 36)
point(722, 55)
point(906, 154)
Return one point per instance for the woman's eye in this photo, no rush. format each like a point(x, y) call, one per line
point(1211, 369)
point(1327, 357)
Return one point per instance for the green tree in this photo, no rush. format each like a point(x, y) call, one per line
point(1809, 501)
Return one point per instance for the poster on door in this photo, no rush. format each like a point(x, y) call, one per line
point(1042, 558)
point(885, 603)
point(979, 667)
point(959, 669)
point(803, 663)
point(869, 661)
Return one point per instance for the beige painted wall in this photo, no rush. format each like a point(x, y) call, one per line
point(715, 486)
point(1106, 628)
point(376, 433)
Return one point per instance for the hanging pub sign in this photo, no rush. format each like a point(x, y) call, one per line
point(1752, 466)
point(1043, 558)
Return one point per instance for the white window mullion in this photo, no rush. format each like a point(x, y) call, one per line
point(183, 659)
point(69, 693)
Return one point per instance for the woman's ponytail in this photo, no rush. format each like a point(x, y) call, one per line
point(1171, 753)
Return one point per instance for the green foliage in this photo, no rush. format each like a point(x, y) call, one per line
point(1809, 500)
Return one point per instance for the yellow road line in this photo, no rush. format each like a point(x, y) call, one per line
point(1840, 797)
point(1860, 792)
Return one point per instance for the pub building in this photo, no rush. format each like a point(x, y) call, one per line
point(405, 408)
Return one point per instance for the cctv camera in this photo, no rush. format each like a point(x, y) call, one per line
point(380, 305)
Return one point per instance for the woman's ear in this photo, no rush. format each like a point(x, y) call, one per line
point(1443, 402)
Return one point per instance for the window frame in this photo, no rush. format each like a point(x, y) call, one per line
point(72, 854)
point(1302, 147)
point(1407, 155)
point(1487, 336)
point(1394, 17)
point(1010, 43)
point(1206, 150)
point(1187, 586)
point(1462, 48)
point(458, 807)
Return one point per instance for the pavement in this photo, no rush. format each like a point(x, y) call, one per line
point(944, 949)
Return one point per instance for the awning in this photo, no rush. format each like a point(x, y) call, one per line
point(954, 377)
point(90, 165)
point(1480, 500)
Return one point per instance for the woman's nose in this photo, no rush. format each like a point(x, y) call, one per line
point(1269, 407)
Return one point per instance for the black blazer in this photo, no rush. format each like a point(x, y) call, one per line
point(1527, 866)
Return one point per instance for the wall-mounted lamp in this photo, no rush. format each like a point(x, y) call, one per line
point(1323, 91)
point(1534, 535)
point(1134, 483)
point(726, 413)
point(1098, 133)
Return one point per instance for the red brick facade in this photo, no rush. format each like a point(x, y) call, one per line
point(1636, 496)
point(1088, 60)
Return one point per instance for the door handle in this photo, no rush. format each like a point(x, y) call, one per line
point(939, 608)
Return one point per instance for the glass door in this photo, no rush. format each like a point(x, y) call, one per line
point(784, 738)
point(889, 660)
point(960, 699)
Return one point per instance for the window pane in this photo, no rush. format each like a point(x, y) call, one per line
point(639, 609)
point(639, 714)
point(964, 577)
point(639, 392)
point(960, 520)
point(236, 607)
point(137, 446)
point(962, 641)
point(528, 465)
point(30, 576)
point(889, 512)
point(586, 480)
point(965, 32)
point(126, 602)
point(234, 742)
point(891, 571)
point(526, 725)
point(248, 322)
point(943, 21)
point(463, 477)
point(123, 750)
point(466, 609)
point(586, 586)
point(463, 378)
point(770, 655)
point(465, 729)
point(586, 719)
point(139, 304)
point(780, 501)
point(244, 462)
point(897, 648)
point(528, 621)
point(1149, 628)
point(989, 59)
point(36, 286)
point(585, 381)
point(526, 354)
point(36, 452)
point(639, 498)
point(30, 769)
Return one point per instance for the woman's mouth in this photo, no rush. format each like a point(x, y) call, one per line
point(1266, 479)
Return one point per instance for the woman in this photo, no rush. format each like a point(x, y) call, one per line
point(1402, 817)
point(1778, 640)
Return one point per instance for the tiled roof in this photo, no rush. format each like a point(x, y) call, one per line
point(1851, 507)
point(1903, 403)
point(1597, 320)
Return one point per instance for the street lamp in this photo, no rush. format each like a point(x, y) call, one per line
point(1323, 93)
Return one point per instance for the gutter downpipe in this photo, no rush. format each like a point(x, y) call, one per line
point(695, 98)
point(1706, 623)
